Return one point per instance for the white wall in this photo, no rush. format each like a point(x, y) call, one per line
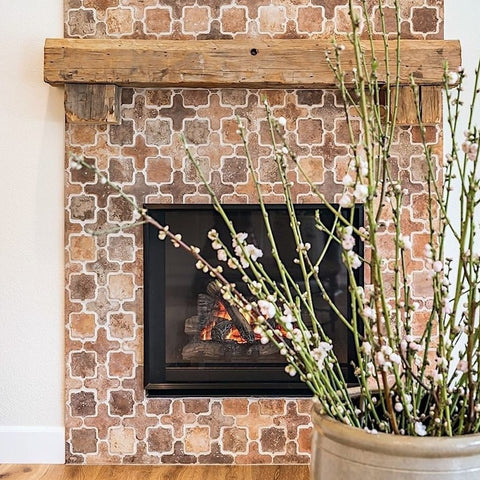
point(31, 237)
point(31, 232)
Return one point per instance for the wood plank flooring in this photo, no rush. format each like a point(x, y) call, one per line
point(147, 472)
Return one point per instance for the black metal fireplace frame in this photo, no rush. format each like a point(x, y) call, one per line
point(195, 379)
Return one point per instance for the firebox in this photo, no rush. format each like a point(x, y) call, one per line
point(195, 342)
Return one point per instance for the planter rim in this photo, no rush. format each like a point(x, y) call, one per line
point(395, 445)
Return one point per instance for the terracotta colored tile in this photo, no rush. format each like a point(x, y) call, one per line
point(196, 405)
point(158, 97)
point(215, 112)
point(102, 345)
point(102, 267)
point(235, 406)
point(119, 21)
point(158, 132)
point(81, 23)
point(253, 456)
point(305, 440)
point(84, 440)
point(310, 131)
point(159, 170)
point(83, 364)
point(121, 134)
point(215, 457)
point(100, 5)
point(197, 131)
point(292, 455)
point(82, 325)
point(102, 305)
point(272, 19)
point(121, 325)
point(140, 151)
point(102, 422)
point(121, 440)
point(83, 404)
point(157, 20)
point(119, 210)
point(425, 20)
point(196, 19)
point(82, 286)
point(272, 406)
point(313, 168)
point(254, 421)
point(234, 439)
point(82, 207)
point(159, 440)
point(121, 402)
point(120, 364)
point(101, 383)
point(82, 248)
point(272, 440)
point(159, 406)
point(141, 421)
point(292, 420)
point(81, 134)
point(197, 440)
point(178, 418)
point(310, 19)
point(178, 456)
point(234, 19)
point(121, 248)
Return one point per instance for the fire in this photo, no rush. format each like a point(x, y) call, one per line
point(233, 335)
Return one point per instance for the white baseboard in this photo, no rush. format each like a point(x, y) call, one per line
point(32, 445)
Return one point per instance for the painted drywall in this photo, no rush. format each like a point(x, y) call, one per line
point(31, 246)
point(31, 238)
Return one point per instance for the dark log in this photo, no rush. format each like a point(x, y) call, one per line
point(206, 305)
point(221, 330)
point(238, 319)
point(201, 350)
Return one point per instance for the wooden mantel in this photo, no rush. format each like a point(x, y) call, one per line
point(92, 67)
point(256, 63)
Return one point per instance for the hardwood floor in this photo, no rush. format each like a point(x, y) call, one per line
point(147, 472)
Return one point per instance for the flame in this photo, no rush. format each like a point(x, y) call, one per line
point(233, 335)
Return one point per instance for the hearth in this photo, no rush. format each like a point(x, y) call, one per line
point(197, 344)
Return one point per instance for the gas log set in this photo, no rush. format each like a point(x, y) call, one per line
point(219, 329)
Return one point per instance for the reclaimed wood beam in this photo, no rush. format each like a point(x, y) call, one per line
point(252, 63)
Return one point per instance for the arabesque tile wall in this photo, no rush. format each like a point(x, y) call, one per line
point(108, 417)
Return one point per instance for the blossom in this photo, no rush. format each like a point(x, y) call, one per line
point(222, 255)
point(321, 352)
point(405, 242)
point(348, 181)
point(290, 369)
point(437, 266)
point(282, 121)
point(420, 429)
point(348, 242)
point(267, 309)
point(361, 192)
point(462, 366)
point(354, 259)
point(346, 200)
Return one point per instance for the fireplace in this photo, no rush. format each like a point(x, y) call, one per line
point(195, 342)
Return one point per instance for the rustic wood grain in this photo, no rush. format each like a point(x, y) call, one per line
point(149, 472)
point(252, 63)
point(431, 101)
point(92, 103)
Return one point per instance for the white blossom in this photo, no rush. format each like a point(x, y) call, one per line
point(267, 309)
point(321, 352)
point(420, 429)
point(361, 192)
